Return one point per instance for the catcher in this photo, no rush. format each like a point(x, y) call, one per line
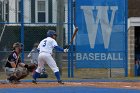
point(14, 68)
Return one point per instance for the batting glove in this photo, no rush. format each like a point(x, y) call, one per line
point(66, 50)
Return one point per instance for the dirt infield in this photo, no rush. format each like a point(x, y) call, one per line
point(127, 85)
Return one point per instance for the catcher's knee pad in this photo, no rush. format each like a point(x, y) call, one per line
point(21, 73)
point(21, 77)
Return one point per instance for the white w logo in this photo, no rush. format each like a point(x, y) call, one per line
point(102, 17)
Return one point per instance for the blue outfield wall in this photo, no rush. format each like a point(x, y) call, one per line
point(101, 40)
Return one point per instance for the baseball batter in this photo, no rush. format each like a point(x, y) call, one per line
point(45, 48)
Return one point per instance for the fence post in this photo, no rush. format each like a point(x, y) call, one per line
point(126, 37)
point(22, 27)
point(60, 30)
point(69, 35)
point(72, 23)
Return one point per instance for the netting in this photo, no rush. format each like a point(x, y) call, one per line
point(37, 17)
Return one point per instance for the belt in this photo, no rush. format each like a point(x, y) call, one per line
point(44, 52)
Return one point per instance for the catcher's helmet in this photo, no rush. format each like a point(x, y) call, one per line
point(50, 33)
point(17, 44)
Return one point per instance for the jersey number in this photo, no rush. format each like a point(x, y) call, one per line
point(44, 43)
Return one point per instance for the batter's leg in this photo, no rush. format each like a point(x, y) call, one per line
point(52, 64)
point(39, 68)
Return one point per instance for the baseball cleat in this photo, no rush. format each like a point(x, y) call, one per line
point(60, 82)
point(34, 81)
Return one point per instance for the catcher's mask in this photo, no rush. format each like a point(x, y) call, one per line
point(17, 45)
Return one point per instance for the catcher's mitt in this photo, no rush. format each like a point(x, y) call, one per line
point(31, 67)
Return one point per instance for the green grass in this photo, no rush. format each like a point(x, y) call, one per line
point(83, 74)
point(80, 74)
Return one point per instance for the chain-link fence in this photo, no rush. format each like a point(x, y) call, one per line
point(28, 21)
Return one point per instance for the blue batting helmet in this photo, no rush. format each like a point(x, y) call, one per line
point(50, 33)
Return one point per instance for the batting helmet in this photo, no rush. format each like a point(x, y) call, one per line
point(50, 33)
point(17, 44)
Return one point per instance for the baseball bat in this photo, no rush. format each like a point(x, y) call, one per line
point(74, 34)
point(76, 28)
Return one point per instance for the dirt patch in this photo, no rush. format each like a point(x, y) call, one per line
point(126, 85)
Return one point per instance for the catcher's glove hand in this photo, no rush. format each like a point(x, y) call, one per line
point(31, 67)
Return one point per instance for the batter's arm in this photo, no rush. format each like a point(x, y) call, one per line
point(59, 48)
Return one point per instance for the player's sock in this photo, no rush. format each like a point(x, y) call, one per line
point(36, 75)
point(57, 74)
